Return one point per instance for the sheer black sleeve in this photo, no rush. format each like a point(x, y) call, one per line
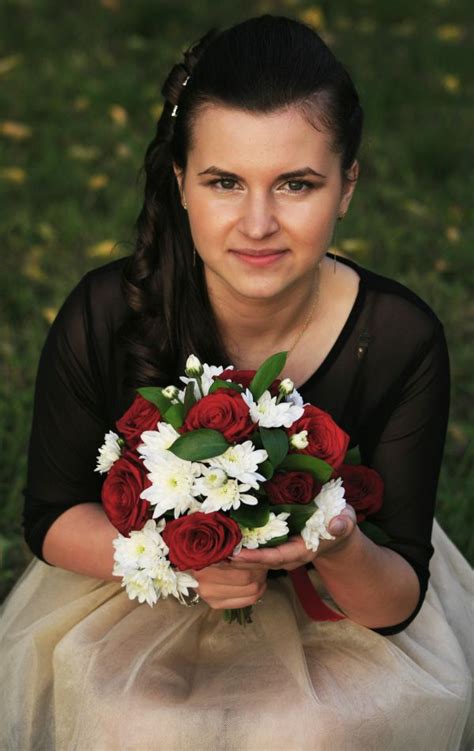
point(405, 443)
point(70, 415)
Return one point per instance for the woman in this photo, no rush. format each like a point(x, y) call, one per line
point(253, 163)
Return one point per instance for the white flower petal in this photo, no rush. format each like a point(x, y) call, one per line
point(109, 452)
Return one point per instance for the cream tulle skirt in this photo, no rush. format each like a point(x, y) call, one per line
point(82, 668)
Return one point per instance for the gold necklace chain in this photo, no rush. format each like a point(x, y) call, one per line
point(310, 314)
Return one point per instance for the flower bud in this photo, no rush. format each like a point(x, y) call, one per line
point(193, 367)
point(299, 440)
point(286, 386)
point(170, 392)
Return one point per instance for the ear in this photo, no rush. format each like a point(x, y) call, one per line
point(349, 183)
point(179, 174)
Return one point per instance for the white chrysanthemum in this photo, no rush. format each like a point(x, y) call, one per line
point(141, 550)
point(267, 413)
point(299, 440)
point(330, 502)
point(228, 496)
point(241, 461)
point(294, 398)
point(207, 378)
point(156, 441)
point(170, 392)
point(109, 452)
point(286, 387)
point(172, 480)
point(212, 478)
point(139, 585)
point(184, 582)
point(330, 499)
point(275, 527)
point(314, 530)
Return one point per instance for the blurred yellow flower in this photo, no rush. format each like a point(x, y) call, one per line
point(110, 4)
point(123, 150)
point(355, 245)
point(156, 110)
point(441, 264)
point(8, 63)
point(13, 174)
point(404, 29)
point(32, 264)
point(449, 33)
point(451, 83)
point(104, 248)
point(46, 231)
point(366, 25)
point(81, 103)
point(97, 182)
point(49, 314)
point(415, 207)
point(83, 153)
point(17, 131)
point(453, 234)
point(118, 114)
point(313, 16)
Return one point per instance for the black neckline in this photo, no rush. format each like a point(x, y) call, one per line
point(346, 330)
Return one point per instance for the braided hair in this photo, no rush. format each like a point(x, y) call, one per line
point(260, 65)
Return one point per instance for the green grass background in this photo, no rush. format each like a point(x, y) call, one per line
point(79, 96)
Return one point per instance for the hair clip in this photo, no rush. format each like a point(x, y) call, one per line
point(175, 111)
point(185, 82)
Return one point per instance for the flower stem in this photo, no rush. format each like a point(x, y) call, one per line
point(241, 615)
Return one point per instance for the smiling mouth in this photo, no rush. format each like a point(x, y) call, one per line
point(258, 253)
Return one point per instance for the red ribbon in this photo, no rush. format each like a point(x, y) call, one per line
point(313, 605)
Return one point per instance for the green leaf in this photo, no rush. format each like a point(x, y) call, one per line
point(353, 456)
point(154, 394)
point(200, 444)
point(256, 439)
point(374, 532)
point(299, 514)
point(189, 398)
point(320, 469)
point(218, 384)
point(266, 469)
point(251, 516)
point(267, 373)
point(175, 415)
point(276, 541)
point(275, 442)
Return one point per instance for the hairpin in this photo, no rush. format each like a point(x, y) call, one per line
point(175, 108)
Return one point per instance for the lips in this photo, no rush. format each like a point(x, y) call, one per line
point(262, 257)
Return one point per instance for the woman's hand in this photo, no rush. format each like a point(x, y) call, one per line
point(224, 586)
point(294, 553)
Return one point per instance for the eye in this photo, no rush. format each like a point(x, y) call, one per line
point(299, 186)
point(224, 183)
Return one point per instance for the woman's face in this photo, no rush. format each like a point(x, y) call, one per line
point(263, 192)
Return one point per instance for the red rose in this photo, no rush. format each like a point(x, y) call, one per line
point(225, 411)
point(292, 487)
point(199, 540)
point(326, 440)
point(364, 489)
point(140, 416)
point(244, 377)
point(121, 494)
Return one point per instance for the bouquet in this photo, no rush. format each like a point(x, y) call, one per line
point(233, 459)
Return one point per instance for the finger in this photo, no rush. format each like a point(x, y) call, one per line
point(231, 576)
point(344, 523)
point(290, 552)
point(221, 595)
point(235, 602)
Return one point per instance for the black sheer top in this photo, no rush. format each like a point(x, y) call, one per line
point(385, 382)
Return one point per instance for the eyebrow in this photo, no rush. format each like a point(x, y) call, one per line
point(284, 176)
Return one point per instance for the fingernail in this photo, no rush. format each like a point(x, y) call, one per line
point(338, 527)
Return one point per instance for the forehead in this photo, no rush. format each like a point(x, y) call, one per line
point(243, 141)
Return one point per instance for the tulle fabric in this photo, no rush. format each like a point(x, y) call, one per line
point(85, 669)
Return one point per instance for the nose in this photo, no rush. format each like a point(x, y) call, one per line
point(258, 219)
